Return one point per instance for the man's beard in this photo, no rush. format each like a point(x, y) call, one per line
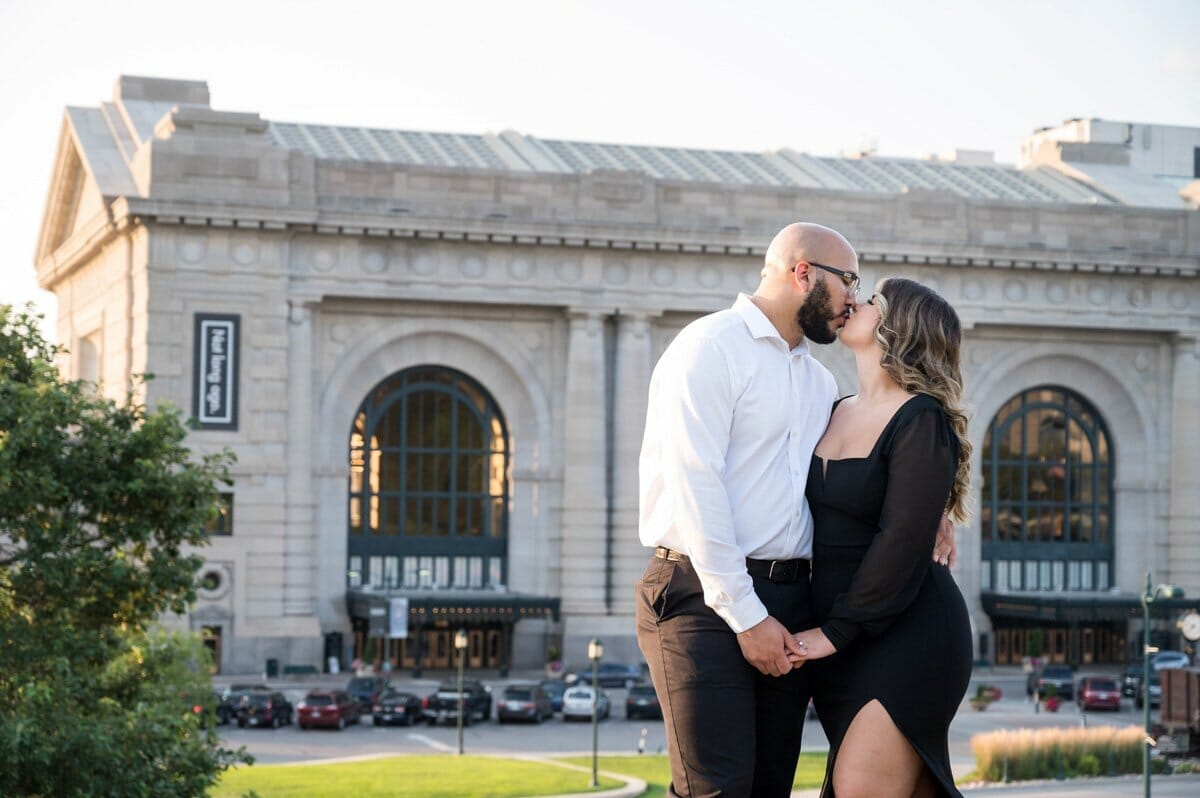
point(815, 315)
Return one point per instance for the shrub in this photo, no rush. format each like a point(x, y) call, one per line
point(1023, 754)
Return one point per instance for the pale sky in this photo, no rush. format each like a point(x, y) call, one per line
point(912, 77)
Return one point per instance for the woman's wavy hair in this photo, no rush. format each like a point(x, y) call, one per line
point(921, 336)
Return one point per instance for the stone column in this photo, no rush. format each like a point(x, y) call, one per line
point(584, 514)
point(1183, 563)
point(632, 383)
point(299, 566)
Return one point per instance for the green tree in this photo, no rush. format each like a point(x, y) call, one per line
point(99, 502)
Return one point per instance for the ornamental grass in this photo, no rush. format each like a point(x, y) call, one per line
point(1023, 754)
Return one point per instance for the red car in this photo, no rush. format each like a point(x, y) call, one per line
point(332, 708)
point(1098, 692)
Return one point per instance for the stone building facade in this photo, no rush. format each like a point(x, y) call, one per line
point(430, 354)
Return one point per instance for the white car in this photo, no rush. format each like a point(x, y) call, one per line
point(577, 703)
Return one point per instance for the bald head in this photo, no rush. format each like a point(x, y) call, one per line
point(799, 298)
point(807, 242)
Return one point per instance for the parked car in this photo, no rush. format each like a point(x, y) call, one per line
point(264, 708)
point(1062, 677)
point(331, 708)
point(1131, 681)
point(443, 704)
point(397, 707)
point(366, 690)
point(231, 698)
point(1163, 660)
point(555, 689)
point(524, 702)
point(610, 674)
point(1169, 659)
point(1098, 692)
point(642, 702)
point(577, 703)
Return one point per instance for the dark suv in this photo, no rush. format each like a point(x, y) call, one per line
point(1061, 677)
point(264, 708)
point(524, 702)
point(367, 690)
point(229, 700)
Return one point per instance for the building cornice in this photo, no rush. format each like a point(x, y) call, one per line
point(125, 212)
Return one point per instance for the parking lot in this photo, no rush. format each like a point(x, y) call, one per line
point(616, 734)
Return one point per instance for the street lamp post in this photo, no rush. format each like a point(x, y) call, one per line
point(595, 652)
point(460, 645)
point(1151, 595)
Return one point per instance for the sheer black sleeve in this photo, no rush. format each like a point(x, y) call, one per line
point(921, 464)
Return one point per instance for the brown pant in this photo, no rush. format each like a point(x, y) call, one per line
point(731, 731)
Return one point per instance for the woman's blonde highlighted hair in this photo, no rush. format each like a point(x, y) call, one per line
point(921, 337)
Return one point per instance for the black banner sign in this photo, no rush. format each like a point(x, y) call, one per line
point(215, 371)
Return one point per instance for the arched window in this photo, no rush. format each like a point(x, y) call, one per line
point(428, 456)
point(1046, 506)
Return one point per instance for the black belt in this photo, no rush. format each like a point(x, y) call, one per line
point(771, 570)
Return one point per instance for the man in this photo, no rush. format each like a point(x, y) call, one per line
point(737, 404)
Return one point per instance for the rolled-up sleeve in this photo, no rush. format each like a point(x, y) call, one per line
point(692, 403)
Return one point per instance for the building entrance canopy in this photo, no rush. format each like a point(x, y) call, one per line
point(427, 607)
point(1080, 607)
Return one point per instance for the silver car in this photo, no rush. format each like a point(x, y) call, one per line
point(577, 703)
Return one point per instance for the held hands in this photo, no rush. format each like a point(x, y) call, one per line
point(769, 648)
point(812, 644)
point(944, 550)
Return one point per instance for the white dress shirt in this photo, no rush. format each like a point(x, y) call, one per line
point(732, 421)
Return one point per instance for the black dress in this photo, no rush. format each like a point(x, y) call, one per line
point(897, 619)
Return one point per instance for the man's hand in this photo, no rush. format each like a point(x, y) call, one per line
point(944, 550)
point(767, 646)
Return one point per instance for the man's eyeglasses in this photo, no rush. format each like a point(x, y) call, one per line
point(849, 279)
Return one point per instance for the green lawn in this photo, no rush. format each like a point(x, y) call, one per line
point(439, 776)
point(656, 771)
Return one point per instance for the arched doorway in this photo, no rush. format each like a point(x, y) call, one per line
point(1046, 523)
point(428, 456)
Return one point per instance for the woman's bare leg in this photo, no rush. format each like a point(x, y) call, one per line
point(877, 761)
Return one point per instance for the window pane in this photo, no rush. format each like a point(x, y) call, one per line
point(222, 524)
point(1031, 575)
point(441, 518)
point(354, 572)
point(496, 523)
point(1085, 574)
point(495, 572)
point(470, 433)
point(460, 571)
point(389, 472)
point(1056, 574)
point(1044, 575)
point(441, 571)
point(391, 572)
point(376, 575)
point(475, 572)
point(985, 521)
point(390, 515)
point(985, 575)
point(1102, 576)
point(425, 572)
point(1073, 575)
point(410, 572)
point(1014, 574)
point(388, 426)
point(1001, 575)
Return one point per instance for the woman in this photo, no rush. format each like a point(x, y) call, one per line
point(892, 657)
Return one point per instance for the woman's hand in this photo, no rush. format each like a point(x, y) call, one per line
point(814, 644)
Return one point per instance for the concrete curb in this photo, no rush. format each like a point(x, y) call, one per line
point(633, 786)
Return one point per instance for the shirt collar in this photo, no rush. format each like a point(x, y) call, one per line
point(760, 326)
